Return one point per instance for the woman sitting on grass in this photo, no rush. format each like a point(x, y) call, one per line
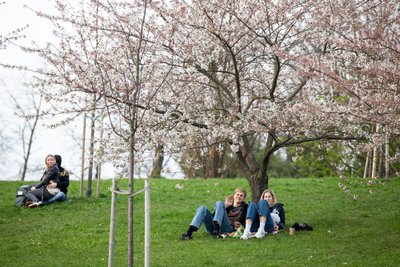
point(47, 187)
point(227, 217)
point(268, 216)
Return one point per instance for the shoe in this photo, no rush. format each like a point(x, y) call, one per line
point(215, 233)
point(35, 205)
point(28, 203)
point(223, 236)
point(245, 236)
point(186, 236)
point(260, 234)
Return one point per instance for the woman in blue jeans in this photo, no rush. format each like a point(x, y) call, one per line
point(268, 216)
point(227, 217)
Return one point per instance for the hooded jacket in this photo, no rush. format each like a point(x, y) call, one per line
point(63, 182)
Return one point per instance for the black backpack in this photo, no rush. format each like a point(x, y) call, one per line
point(21, 195)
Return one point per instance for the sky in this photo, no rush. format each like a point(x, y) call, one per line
point(65, 141)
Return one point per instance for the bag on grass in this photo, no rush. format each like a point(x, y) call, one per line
point(21, 195)
point(302, 227)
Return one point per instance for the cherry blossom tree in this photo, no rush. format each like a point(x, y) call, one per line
point(294, 71)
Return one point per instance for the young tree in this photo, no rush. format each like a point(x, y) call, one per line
point(107, 49)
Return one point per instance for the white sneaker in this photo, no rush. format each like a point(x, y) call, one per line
point(260, 234)
point(245, 236)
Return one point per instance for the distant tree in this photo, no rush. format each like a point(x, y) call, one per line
point(29, 110)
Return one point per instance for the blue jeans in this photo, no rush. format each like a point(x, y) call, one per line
point(203, 215)
point(60, 196)
point(254, 212)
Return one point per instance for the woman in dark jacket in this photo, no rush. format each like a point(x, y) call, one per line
point(268, 216)
point(47, 187)
point(62, 184)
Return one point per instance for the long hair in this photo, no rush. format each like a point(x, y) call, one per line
point(272, 194)
point(45, 159)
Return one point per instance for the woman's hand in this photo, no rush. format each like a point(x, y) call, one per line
point(33, 188)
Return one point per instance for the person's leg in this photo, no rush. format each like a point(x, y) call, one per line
point(252, 220)
point(221, 220)
point(266, 222)
point(34, 195)
point(203, 215)
point(60, 196)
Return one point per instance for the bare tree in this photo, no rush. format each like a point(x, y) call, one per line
point(30, 113)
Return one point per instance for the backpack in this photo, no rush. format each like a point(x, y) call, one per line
point(21, 195)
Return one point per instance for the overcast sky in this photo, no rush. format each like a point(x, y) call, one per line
point(14, 14)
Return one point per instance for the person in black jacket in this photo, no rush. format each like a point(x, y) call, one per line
point(62, 184)
point(227, 217)
point(268, 216)
point(47, 187)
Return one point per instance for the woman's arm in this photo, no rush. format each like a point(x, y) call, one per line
point(281, 210)
point(50, 175)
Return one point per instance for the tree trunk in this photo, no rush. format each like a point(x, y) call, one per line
point(366, 167)
point(30, 142)
point(256, 174)
point(101, 150)
point(387, 171)
point(113, 216)
point(130, 198)
point(258, 183)
point(213, 162)
point(147, 245)
point(91, 155)
point(83, 156)
point(375, 157)
point(158, 162)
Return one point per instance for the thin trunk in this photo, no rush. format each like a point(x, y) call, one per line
point(387, 170)
point(380, 164)
point(91, 154)
point(99, 165)
point(30, 142)
point(83, 155)
point(366, 167)
point(130, 200)
point(112, 223)
point(158, 162)
point(147, 222)
point(375, 157)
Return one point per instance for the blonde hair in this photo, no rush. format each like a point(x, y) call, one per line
point(272, 194)
point(49, 155)
point(239, 189)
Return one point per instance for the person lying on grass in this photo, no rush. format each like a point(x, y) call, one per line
point(268, 216)
point(227, 217)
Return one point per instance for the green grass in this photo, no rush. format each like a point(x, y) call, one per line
point(361, 232)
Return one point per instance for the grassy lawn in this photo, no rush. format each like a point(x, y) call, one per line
point(347, 232)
